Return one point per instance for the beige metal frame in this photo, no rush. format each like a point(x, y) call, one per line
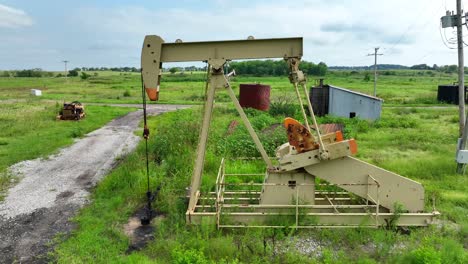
point(218, 80)
point(216, 53)
point(380, 189)
point(231, 207)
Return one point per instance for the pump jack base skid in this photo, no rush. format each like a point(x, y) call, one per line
point(254, 204)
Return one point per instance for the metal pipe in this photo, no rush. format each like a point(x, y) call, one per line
point(310, 206)
point(297, 206)
point(286, 184)
point(304, 227)
point(312, 115)
point(201, 150)
point(302, 107)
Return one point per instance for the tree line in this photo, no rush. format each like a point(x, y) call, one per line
point(37, 72)
point(443, 68)
point(275, 68)
point(254, 68)
point(434, 67)
point(370, 67)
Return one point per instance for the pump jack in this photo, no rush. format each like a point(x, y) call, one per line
point(359, 194)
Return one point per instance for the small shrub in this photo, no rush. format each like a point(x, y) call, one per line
point(366, 77)
point(239, 144)
point(84, 76)
point(454, 119)
point(127, 93)
point(190, 256)
point(393, 221)
point(76, 132)
point(402, 122)
point(262, 121)
point(222, 98)
point(424, 254)
point(195, 97)
point(283, 106)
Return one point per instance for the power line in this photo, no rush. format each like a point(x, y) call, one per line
point(410, 27)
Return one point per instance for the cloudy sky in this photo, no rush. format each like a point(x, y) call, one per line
point(40, 34)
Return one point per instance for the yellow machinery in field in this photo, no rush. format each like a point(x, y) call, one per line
point(316, 181)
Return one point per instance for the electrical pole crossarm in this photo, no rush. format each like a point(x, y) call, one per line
point(375, 54)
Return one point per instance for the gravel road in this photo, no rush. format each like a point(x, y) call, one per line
point(52, 190)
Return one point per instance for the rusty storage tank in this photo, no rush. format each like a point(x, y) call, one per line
point(255, 95)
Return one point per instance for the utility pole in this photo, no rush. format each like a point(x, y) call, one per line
point(461, 86)
point(461, 73)
point(66, 71)
point(452, 20)
point(375, 54)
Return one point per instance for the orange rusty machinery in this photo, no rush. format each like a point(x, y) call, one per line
point(72, 111)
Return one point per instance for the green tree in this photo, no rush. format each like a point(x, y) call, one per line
point(322, 68)
point(276, 68)
point(84, 75)
point(173, 70)
point(73, 73)
point(29, 73)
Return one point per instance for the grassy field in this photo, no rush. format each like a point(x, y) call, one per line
point(28, 129)
point(409, 141)
point(417, 142)
point(395, 87)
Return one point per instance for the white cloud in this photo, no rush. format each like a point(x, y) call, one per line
point(13, 18)
point(338, 32)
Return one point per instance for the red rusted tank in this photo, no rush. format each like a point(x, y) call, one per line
point(255, 95)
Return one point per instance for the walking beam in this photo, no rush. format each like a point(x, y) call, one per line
point(155, 52)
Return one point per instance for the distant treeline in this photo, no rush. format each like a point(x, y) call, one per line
point(134, 69)
point(254, 68)
point(379, 66)
point(117, 69)
point(435, 67)
point(275, 68)
point(28, 73)
point(37, 72)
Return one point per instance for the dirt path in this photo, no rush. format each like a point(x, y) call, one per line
point(52, 190)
